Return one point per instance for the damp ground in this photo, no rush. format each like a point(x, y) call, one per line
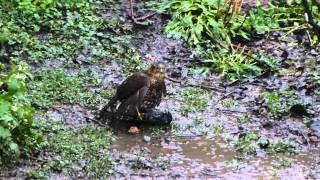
point(220, 129)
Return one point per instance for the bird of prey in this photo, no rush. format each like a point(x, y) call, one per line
point(139, 93)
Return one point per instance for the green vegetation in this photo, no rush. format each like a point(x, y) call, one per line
point(157, 131)
point(229, 103)
point(238, 66)
point(193, 100)
point(83, 152)
point(218, 129)
point(68, 44)
point(250, 143)
point(284, 163)
point(66, 30)
point(202, 20)
point(213, 26)
point(51, 87)
point(198, 21)
point(274, 104)
point(67, 33)
point(16, 114)
point(282, 147)
point(246, 118)
point(280, 103)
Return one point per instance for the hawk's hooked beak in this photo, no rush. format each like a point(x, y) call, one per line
point(162, 67)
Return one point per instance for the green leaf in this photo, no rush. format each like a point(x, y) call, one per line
point(14, 85)
point(4, 107)
point(14, 147)
point(6, 118)
point(4, 133)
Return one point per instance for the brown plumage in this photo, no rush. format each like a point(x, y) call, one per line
point(138, 93)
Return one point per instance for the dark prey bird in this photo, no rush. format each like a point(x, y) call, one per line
point(138, 93)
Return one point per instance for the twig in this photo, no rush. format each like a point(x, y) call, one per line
point(179, 136)
point(95, 121)
point(131, 12)
point(233, 111)
point(225, 96)
point(131, 8)
point(206, 87)
point(136, 20)
point(308, 140)
point(145, 17)
point(37, 159)
point(309, 38)
point(57, 109)
point(173, 80)
point(233, 82)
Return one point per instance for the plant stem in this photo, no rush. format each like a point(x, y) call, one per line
point(310, 20)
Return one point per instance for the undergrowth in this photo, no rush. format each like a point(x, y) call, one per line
point(197, 21)
point(69, 31)
point(236, 65)
point(16, 114)
point(203, 22)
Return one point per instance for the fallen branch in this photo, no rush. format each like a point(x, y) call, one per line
point(137, 19)
point(226, 95)
point(232, 111)
point(95, 121)
point(145, 17)
point(206, 87)
point(37, 159)
point(173, 80)
point(307, 139)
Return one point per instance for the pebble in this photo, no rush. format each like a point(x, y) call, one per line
point(146, 139)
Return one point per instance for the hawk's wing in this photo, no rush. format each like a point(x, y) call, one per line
point(130, 93)
point(132, 85)
point(130, 105)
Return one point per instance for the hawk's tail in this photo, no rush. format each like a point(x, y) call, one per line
point(110, 107)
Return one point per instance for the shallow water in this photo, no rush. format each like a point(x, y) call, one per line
point(197, 157)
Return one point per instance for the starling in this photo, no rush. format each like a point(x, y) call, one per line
point(139, 93)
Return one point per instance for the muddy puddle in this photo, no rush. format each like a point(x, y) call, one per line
point(198, 157)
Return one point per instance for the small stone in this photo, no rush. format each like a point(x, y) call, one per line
point(314, 139)
point(146, 139)
point(134, 130)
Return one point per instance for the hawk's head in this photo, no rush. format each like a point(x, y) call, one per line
point(157, 71)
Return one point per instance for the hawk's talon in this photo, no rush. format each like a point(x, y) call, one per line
point(139, 115)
